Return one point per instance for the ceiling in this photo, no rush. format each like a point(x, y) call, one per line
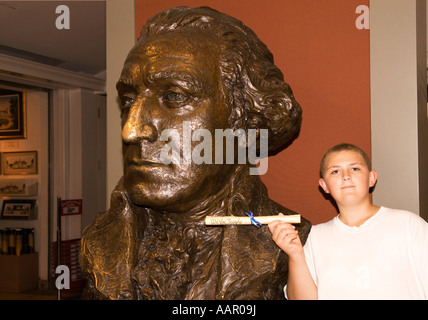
point(28, 31)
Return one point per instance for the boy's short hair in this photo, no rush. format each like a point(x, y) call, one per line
point(344, 147)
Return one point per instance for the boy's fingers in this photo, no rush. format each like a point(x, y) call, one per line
point(274, 224)
point(281, 232)
point(280, 214)
point(276, 221)
point(277, 224)
point(282, 225)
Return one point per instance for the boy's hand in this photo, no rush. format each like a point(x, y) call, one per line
point(286, 237)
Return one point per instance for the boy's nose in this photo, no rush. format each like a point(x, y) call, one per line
point(346, 176)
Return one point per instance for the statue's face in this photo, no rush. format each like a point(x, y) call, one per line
point(169, 79)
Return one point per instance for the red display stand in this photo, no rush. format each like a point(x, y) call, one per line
point(70, 258)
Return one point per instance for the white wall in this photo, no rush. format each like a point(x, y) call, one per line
point(78, 156)
point(398, 103)
point(93, 155)
point(120, 39)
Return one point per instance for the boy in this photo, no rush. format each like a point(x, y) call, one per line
point(365, 252)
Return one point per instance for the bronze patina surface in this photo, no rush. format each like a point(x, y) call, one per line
point(204, 68)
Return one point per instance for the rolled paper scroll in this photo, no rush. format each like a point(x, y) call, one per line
point(231, 220)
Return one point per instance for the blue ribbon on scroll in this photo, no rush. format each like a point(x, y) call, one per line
point(253, 221)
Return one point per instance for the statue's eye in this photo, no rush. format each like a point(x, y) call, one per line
point(175, 98)
point(172, 96)
point(126, 102)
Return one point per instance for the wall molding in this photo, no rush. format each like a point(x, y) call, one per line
point(37, 74)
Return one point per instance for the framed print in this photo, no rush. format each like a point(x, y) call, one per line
point(17, 209)
point(19, 162)
point(18, 187)
point(13, 124)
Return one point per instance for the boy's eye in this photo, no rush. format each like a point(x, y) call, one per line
point(334, 172)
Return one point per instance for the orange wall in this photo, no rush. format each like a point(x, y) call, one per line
point(325, 59)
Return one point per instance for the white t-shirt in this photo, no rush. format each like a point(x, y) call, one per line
point(384, 258)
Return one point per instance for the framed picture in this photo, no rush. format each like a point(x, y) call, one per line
point(18, 187)
point(13, 124)
point(19, 162)
point(17, 209)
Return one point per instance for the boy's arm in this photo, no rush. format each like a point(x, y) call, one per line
point(300, 285)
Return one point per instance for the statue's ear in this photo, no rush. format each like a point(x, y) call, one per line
point(252, 137)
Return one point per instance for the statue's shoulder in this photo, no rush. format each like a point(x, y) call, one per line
point(108, 245)
point(97, 236)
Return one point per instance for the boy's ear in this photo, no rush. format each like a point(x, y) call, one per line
point(323, 185)
point(372, 178)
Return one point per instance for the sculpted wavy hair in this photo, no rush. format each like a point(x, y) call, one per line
point(256, 90)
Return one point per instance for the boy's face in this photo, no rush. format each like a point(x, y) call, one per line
point(347, 178)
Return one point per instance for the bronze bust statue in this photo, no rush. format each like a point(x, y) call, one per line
point(208, 70)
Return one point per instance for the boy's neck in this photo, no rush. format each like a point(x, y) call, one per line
point(355, 216)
